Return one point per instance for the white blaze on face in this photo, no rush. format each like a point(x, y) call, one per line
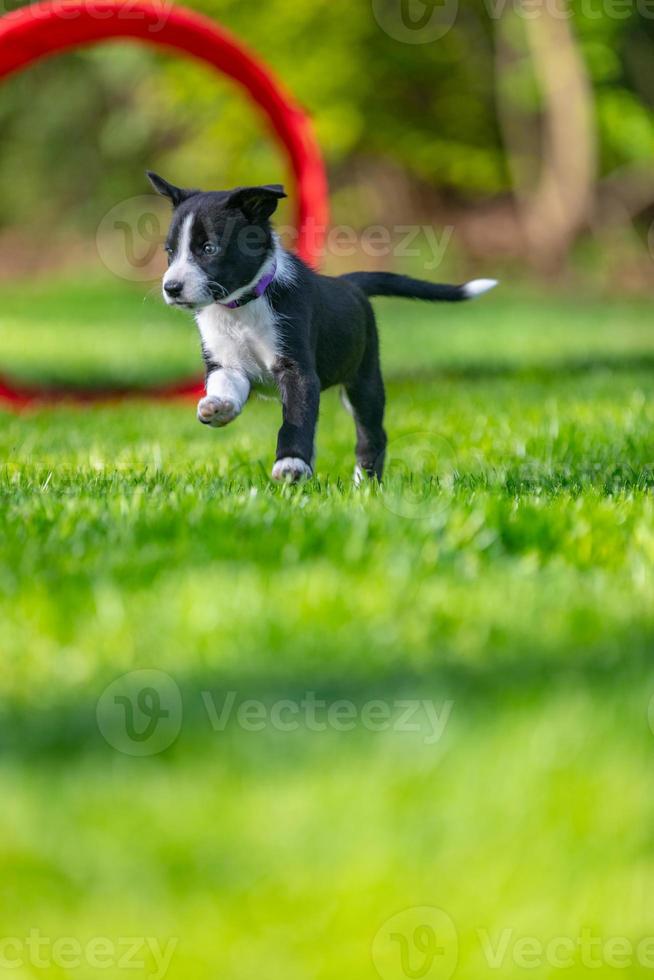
point(185, 270)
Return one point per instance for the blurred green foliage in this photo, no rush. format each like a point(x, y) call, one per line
point(78, 131)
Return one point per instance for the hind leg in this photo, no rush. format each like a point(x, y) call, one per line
point(366, 401)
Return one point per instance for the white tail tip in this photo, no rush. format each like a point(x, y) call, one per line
point(478, 286)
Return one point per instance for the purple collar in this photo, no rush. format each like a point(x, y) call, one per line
point(255, 293)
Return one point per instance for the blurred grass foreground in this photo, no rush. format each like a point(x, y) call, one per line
point(266, 730)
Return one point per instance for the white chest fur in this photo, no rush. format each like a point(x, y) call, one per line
point(244, 339)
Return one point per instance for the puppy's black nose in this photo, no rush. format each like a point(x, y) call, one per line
point(174, 289)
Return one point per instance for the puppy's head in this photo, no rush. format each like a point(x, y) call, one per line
point(218, 241)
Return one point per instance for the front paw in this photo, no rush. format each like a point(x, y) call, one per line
point(216, 412)
point(291, 470)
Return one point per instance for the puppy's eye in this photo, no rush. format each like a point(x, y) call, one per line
point(168, 249)
point(210, 249)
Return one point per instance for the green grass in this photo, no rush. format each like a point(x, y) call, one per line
point(94, 332)
point(80, 333)
point(504, 575)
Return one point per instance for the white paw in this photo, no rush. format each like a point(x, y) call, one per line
point(216, 411)
point(291, 470)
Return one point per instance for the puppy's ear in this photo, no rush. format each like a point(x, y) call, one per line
point(257, 203)
point(174, 194)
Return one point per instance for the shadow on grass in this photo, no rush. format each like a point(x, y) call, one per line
point(491, 370)
point(68, 728)
point(51, 384)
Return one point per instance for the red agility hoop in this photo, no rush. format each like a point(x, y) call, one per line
point(37, 31)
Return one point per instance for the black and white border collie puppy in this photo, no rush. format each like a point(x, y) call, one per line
point(266, 319)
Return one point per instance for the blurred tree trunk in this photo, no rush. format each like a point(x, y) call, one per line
point(551, 153)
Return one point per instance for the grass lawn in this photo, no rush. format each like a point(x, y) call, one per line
point(451, 677)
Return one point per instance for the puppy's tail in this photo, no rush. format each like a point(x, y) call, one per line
point(387, 284)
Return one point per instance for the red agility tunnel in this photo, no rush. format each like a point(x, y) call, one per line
point(44, 29)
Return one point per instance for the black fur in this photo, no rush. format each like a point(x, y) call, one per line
point(326, 326)
point(387, 284)
point(328, 331)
